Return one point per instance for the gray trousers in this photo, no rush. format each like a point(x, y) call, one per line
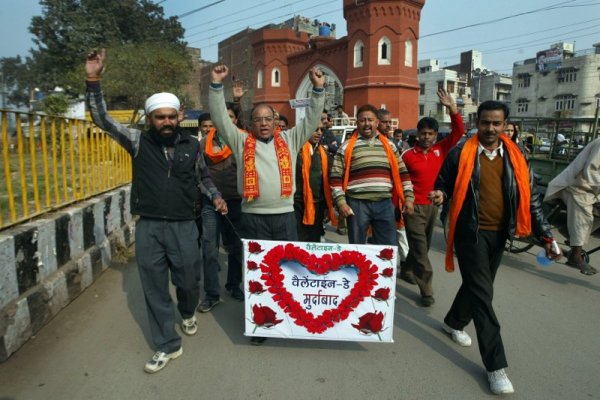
point(270, 226)
point(419, 231)
point(162, 247)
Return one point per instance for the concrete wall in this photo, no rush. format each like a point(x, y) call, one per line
point(47, 263)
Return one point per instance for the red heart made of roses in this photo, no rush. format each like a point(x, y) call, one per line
point(273, 276)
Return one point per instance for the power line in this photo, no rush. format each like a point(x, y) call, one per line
point(266, 21)
point(548, 8)
point(222, 20)
point(510, 37)
point(314, 16)
point(199, 9)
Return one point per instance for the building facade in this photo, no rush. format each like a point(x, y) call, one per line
point(558, 83)
point(375, 63)
point(432, 78)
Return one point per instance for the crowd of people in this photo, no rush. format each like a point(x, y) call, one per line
point(271, 181)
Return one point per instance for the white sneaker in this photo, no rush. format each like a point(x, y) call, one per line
point(499, 382)
point(461, 338)
point(160, 359)
point(189, 326)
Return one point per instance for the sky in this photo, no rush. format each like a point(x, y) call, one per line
point(501, 35)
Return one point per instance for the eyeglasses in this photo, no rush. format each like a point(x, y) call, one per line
point(258, 120)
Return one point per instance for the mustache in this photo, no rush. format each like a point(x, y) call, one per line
point(166, 128)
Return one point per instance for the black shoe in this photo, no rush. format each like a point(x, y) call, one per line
point(408, 277)
point(342, 231)
point(208, 304)
point(427, 301)
point(237, 293)
point(257, 340)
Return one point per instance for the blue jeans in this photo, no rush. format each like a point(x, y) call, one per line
point(378, 214)
point(214, 227)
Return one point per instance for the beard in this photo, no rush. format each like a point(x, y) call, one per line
point(165, 139)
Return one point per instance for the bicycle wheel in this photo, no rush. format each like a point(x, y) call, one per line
point(518, 245)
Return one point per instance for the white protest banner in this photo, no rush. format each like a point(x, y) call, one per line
point(326, 291)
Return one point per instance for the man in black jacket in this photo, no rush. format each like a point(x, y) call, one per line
point(167, 168)
point(493, 198)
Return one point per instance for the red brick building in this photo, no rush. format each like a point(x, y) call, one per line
point(375, 63)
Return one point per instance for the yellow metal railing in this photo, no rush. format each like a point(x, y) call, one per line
point(50, 162)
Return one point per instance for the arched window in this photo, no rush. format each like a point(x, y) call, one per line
point(384, 51)
point(259, 79)
point(359, 54)
point(408, 53)
point(275, 77)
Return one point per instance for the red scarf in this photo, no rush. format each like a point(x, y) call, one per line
point(465, 170)
point(284, 161)
point(398, 191)
point(309, 208)
point(215, 157)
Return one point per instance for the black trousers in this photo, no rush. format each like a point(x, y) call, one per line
point(310, 233)
point(478, 262)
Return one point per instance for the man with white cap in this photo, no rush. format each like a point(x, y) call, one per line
point(167, 171)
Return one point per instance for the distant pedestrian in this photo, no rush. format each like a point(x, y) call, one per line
point(312, 199)
point(423, 163)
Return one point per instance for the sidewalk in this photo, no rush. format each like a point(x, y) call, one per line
point(96, 348)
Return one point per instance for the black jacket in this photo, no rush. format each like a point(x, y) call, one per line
point(468, 218)
point(163, 188)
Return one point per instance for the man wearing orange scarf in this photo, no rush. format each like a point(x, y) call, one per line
point(216, 226)
point(493, 197)
point(266, 161)
point(369, 181)
point(313, 193)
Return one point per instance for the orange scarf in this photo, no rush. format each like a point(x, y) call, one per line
point(309, 208)
point(284, 162)
point(398, 192)
point(465, 170)
point(209, 149)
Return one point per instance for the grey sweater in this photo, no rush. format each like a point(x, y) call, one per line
point(269, 183)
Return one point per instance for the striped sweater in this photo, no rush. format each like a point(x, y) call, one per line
point(370, 174)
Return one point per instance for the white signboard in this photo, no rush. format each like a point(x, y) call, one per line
point(326, 291)
point(299, 103)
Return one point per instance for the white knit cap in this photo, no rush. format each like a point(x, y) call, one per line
point(161, 100)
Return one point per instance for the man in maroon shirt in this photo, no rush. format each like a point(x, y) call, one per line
point(423, 163)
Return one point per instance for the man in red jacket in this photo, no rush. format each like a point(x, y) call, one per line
point(423, 163)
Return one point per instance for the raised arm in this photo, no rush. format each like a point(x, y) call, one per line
point(94, 67)
point(298, 135)
point(218, 110)
point(458, 127)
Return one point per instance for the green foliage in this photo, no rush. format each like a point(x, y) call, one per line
point(147, 50)
point(55, 104)
point(15, 78)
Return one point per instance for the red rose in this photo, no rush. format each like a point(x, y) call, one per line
point(388, 272)
point(254, 247)
point(370, 323)
point(252, 266)
point(386, 254)
point(255, 287)
point(264, 317)
point(382, 294)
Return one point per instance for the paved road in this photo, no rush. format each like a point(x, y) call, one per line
point(96, 347)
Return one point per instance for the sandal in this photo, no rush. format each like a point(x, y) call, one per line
point(583, 267)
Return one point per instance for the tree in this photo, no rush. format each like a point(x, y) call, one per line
point(68, 29)
point(15, 77)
